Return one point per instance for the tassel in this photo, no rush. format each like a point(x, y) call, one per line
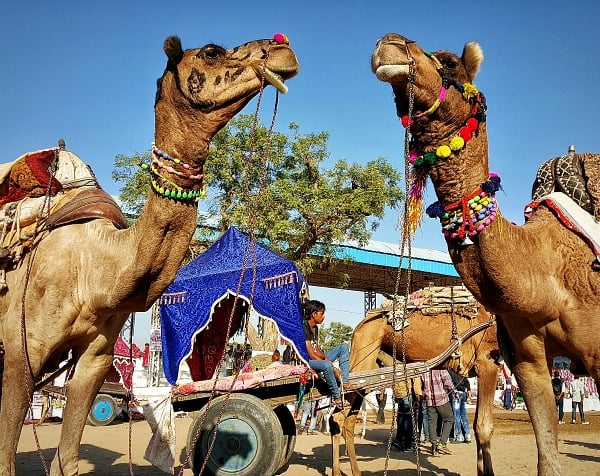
point(412, 220)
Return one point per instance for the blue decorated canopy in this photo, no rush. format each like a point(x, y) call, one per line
point(188, 306)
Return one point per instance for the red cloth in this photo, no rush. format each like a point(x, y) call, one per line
point(209, 344)
point(29, 177)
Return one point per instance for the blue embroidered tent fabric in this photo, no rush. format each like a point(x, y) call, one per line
point(188, 303)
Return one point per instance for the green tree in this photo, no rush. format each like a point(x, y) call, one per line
point(277, 186)
point(336, 334)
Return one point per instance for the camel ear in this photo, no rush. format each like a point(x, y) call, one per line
point(173, 49)
point(472, 58)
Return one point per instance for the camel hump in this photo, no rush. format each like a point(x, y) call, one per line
point(576, 175)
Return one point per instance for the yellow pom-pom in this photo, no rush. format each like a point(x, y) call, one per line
point(457, 143)
point(470, 91)
point(443, 152)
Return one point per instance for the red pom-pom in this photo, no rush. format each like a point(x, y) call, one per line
point(404, 120)
point(472, 124)
point(465, 133)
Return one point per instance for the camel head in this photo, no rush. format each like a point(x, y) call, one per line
point(436, 98)
point(437, 77)
point(203, 88)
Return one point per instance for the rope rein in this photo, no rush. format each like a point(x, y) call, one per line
point(250, 254)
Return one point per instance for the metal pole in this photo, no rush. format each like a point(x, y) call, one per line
point(370, 300)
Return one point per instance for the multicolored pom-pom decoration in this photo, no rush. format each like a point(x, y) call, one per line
point(470, 215)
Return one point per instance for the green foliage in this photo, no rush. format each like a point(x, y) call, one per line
point(277, 185)
point(334, 335)
point(136, 182)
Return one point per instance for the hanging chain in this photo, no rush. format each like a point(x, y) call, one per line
point(405, 245)
point(250, 251)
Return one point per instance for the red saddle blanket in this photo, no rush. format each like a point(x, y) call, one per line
point(29, 177)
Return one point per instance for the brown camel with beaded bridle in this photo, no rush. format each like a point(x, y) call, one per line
point(537, 278)
point(81, 282)
point(426, 337)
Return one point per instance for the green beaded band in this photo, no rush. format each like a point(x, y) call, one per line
point(172, 190)
point(179, 194)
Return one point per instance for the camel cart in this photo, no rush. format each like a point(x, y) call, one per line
point(243, 425)
point(254, 428)
point(113, 397)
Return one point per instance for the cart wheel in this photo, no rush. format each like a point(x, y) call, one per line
point(288, 426)
point(103, 411)
point(249, 439)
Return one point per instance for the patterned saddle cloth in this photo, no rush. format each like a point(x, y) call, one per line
point(576, 175)
point(45, 189)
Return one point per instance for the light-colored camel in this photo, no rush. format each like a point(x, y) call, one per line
point(425, 337)
point(537, 278)
point(75, 290)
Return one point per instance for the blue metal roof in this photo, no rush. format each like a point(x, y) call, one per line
point(379, 253)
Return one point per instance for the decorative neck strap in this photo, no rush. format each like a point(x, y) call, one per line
point(461, 137)
point(422, 163)
point(470, 215)
point(163, 162)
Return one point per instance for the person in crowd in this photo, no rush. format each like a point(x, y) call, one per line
point(319, 361)
point(462, 429)
point(558, 387)
point(309, 411)
point(45, 408)
point(423, 421)
point(508, 397)
point(437, 387)
point(276, 357)
point(577, 392)
point(408, 394)
point(246, 354)
point(228, 363)
point(238, 358)
point(381, 397)
point(146, 355)
point(287, 355)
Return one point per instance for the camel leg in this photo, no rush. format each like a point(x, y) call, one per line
point(530, 366)
point(15, 402)
point(487, 373)
point(348, 434)
point(89, 375)
point(336, 421)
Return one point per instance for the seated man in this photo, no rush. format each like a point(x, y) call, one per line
point(314, 314)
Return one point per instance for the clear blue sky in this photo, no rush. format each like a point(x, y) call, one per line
point(86, 71)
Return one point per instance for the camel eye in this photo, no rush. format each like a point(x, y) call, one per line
point(211, 52)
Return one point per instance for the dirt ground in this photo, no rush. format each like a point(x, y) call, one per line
point(105, 450)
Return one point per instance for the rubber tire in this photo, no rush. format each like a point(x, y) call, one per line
point(249, 438)
point(288, 427)
point(103, 411)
